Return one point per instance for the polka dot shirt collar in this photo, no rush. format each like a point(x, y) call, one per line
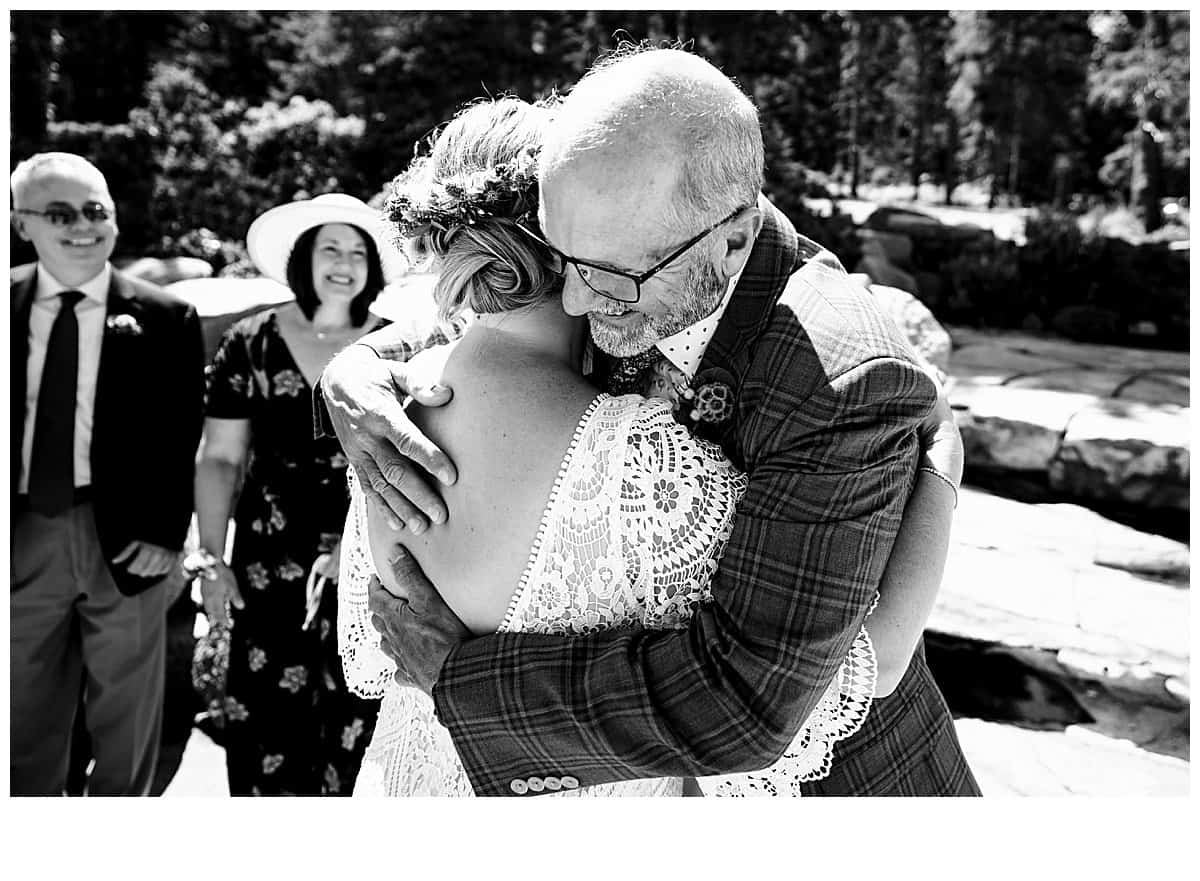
point(686, 349)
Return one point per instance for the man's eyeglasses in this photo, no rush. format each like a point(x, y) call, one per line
point(624, 287)
point(61, 214)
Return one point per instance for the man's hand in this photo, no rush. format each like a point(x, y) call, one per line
point(364, 395)
point(146, 560)
point(418, 631)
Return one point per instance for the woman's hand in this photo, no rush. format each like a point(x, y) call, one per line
point(327, 565)
point(218, 591)
point(364, 395)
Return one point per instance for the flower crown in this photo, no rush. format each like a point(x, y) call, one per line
point(506, 190)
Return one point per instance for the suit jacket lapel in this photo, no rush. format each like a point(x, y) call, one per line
point(22, 293)
point(109, 378)
point(774, 257)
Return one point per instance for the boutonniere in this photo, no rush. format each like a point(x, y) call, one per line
point(123, 324)
point(707, 399)
point(714, 396)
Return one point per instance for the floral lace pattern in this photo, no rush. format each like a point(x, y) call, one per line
point(638, 517)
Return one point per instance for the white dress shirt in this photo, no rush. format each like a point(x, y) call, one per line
point(90, 312)
point(686, 349)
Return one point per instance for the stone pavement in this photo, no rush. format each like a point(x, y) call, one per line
point(1007, 761)
point(1101, 424)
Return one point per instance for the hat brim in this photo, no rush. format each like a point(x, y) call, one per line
point(273, 234)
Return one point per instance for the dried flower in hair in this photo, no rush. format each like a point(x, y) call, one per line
point(507, 190)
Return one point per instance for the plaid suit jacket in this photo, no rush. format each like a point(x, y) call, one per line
point(828, 396)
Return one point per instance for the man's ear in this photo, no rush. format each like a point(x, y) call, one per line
point(19, 226)
point(738, 241)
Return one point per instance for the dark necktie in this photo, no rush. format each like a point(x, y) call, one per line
point(52, 461)
point(627, 375)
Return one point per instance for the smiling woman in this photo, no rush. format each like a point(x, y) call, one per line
point(291, 726)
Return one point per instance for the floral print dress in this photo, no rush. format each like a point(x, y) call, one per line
point(291, 726)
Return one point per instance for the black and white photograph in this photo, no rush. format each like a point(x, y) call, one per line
point(583, 403)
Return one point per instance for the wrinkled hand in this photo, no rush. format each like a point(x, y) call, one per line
point(364, 396)
point(219, 592)
point(418, 631)
point(941, 442)
point(147, 560)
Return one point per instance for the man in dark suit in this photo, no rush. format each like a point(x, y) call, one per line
point(107, 377)
point(656, 161)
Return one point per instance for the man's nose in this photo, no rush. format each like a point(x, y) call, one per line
point(578, 298)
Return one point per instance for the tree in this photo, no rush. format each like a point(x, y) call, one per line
point(918, 92)
point(1018, 95)
point(1139, 83)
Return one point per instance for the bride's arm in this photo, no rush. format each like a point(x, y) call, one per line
point(914, 570)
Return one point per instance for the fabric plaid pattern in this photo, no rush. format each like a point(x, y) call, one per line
point(828, 398)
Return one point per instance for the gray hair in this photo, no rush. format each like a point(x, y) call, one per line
point(39, 165)
point(667, 103)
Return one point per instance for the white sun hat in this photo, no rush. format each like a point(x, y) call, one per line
point(273, 234)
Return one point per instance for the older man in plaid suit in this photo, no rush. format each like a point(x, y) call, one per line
point(827, 399)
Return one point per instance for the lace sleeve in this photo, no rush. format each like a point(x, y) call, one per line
point(366, 668)
point(679, 496)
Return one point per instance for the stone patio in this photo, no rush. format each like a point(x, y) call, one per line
point(1098, 424)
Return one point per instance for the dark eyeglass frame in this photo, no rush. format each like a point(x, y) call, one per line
point(638, 279)
point(62, 214)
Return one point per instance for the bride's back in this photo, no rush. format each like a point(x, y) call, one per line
point(516, 406)
point(518, 396)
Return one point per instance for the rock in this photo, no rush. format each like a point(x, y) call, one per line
point(882, 271)
point(1011, 761)
point(928, 337)
point(171, 269)
point(1126, 451)
point(896, 247)
point(1017, 429)
point(1027, 576)
point(931, 288)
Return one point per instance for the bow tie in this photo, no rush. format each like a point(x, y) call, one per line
point(628, 375)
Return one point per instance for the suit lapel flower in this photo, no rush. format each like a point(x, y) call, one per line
point(713, 403)
point(122, 324)
point(704, 405)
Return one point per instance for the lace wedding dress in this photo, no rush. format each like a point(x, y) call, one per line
point(636, 522)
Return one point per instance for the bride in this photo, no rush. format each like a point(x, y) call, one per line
point(574, 510)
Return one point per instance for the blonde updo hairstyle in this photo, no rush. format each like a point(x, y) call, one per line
point(484, 262)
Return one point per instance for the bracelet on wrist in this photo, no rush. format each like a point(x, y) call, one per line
point(201, 562)
point(929, 469)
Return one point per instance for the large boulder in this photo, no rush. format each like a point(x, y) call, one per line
point(896, 247)
point(875, 264)
point(1012, 429)
point(1128, 452)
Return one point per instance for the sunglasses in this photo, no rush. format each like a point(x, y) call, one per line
point(61, 214)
